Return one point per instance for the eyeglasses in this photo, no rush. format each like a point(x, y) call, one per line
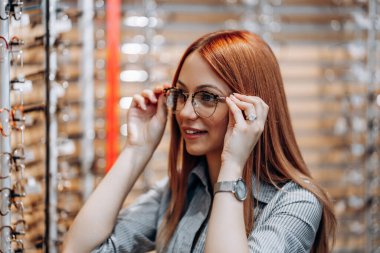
point(14, 7)
point(204, 103)
point(17, 57)
point(14, 119)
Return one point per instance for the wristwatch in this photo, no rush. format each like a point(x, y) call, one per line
point(238, 188)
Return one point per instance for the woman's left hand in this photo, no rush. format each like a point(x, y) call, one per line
point(243, 132)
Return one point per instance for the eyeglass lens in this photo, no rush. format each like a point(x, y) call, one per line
point(204, 103)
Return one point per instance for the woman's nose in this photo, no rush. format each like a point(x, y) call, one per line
point(188, 110)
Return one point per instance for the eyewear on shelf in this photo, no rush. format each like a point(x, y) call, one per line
point(15, 43)
point(35, 76)
point(59, 43)
point(4, 43)
point(64, 213)
point(12, 195)
point(18, 243)
point(38, 41)
point(18, 213)
point(17, 60)
point(4, 47)
point(14, 8)
point(14, 119)
point(17, 57)
point(21, 86)
point(18, 117)
point(204, 103)
point(16, 163)
point(71, 13)
point(18, 158)
point(5, 122)
point(33, 108)
point(20, 225)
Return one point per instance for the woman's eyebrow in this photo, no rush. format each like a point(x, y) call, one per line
point(202, 86)
point(181, 83)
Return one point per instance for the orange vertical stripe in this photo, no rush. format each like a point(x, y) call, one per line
point(113, 17)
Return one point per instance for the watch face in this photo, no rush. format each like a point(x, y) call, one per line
point(240, 190)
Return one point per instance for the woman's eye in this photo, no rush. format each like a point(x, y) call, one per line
point(207, 97)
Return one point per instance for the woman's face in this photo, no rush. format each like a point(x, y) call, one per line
point(203, 136)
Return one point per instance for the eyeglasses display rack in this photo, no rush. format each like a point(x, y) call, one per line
point(41, 187)
point(73, 50)
point(5, 181)
point(86, 81)
point(372, 154)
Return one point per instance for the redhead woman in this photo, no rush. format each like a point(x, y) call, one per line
point(236, 182)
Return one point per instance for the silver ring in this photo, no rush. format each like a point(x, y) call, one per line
point(251, 117)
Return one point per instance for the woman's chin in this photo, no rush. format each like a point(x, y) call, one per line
point(195, 151)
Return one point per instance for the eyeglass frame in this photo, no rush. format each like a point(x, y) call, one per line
point(16, 162)
point(218, 98)
point(11, 197)
point(12, 120)
point(4, 49)
point(17, 58)
point(14, 8)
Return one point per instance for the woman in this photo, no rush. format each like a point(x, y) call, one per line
point(237, 180)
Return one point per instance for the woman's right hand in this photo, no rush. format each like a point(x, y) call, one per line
point(146, 118)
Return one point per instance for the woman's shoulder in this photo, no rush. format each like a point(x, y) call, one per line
point(292, 198)
point(291, 216)
point(300, 201)
point(297, 192)
point(267, 193)
point(290, 206)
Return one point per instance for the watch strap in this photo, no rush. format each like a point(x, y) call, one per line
point(224, 186)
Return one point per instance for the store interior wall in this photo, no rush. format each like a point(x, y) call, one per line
point(54, 135)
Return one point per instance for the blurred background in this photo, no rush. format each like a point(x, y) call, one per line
point(69, 69)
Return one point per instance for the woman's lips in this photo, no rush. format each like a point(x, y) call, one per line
point(193, 133)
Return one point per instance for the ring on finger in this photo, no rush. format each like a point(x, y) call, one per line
point(251, 117)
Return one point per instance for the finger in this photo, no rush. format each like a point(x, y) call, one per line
point(149, 94)
point(159, 88)
point(139, 101)
point(249, 99)
point(162, 108)
point(247, 108)
point(231, 121)
point(260, 106)
point(238, 116)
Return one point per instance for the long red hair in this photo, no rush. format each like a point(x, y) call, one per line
point(247, 64)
